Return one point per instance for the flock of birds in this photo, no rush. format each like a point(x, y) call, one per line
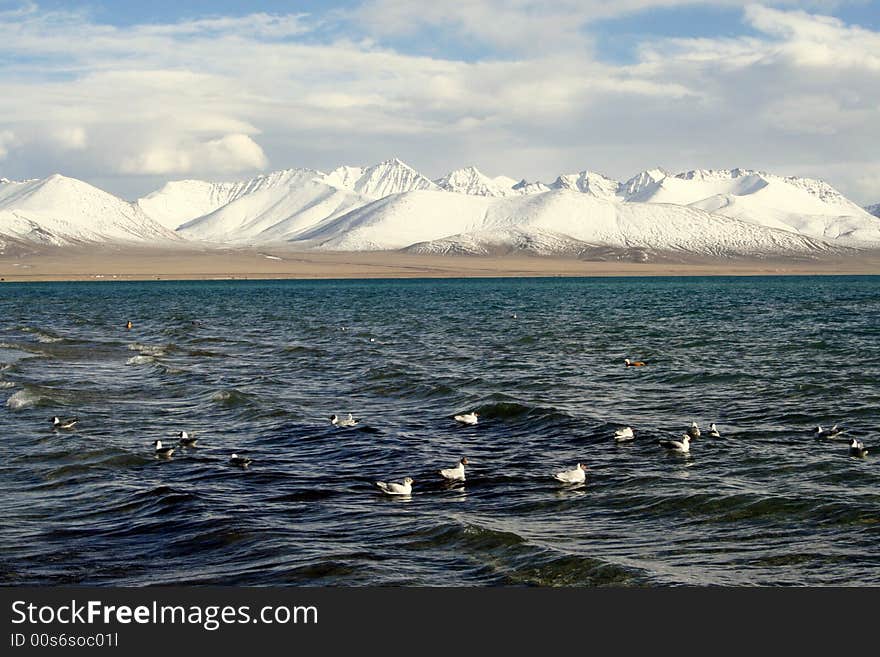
point(457, 473)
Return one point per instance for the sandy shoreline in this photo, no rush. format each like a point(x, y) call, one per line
point(184, 263)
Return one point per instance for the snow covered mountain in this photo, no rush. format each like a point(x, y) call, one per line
point(60, 211)
point(802, 205)
point(380, 180)
point(273, 213)
point(559, 221)
point(390, 205)
point(278, 206)
point(180, 201)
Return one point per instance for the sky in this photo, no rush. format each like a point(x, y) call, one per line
point(129, 95)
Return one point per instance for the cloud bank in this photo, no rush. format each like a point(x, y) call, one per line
point(794, 90)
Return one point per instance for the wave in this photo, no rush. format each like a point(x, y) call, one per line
point(231, 397)
point(43, 335)
point(7, 384)
point(140, 360)
point(149, 349)
point(25, 398)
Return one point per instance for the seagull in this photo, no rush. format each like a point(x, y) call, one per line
point(713, 431)
point(467, 418)
point(163, 452)
point(622, 435)
point(396, 489)
point(576, 476)
point(186, 440)
point(456, 473)
point(682, 445)
point(857, 448)
point(633, 363)
point(693, 430)
point(64, 423)
point(240, 461)
point(345, 422)
point(827, 433)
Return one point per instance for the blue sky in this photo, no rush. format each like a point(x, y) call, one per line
point(128, 95)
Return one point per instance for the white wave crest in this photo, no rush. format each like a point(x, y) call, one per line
point(140, 360)
point(22, 399)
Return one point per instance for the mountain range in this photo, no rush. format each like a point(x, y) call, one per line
point(391, 206)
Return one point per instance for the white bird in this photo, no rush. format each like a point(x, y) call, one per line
point(693, 430)
point(576, 476)
point(827, 433)
point(456, 473)
point(857, 448)
point(344, 422)
point(240, 461)
point(713, 431)
point(683, 445)
point(393, 488)
point(467, 418)
point(622, 435)
point(163, 452)
point(186, 440)
point(64, 423)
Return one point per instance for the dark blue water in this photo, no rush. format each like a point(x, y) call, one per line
point(767, 359)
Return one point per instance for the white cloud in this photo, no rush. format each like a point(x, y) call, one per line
point(7, 139)
point(213, 97)
point(227, 154)
point(68, 137)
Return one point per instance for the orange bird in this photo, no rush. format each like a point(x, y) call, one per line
point(633, 363)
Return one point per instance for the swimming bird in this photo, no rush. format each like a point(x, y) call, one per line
point(693, 430)
point(683, 445)
point(163, 452)
point(622, 435)
point(576, 476)
point(857, 448)
point(713, 431)
point(240, 461)
point(186, 440)
point(633, 363)
point(345, 422)
point(827, 433)
point(64, 423)
point(393, 488)
point(467, 418)
point(128, 325)
point(456, 473)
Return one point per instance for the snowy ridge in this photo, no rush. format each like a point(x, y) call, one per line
point(273, 213)
point(61, 211)
point(180, 201)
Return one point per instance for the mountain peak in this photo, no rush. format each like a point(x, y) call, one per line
point(469, 180)
point(645, 180)
point(587, 182)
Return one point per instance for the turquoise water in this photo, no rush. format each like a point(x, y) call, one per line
point(257, 367)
